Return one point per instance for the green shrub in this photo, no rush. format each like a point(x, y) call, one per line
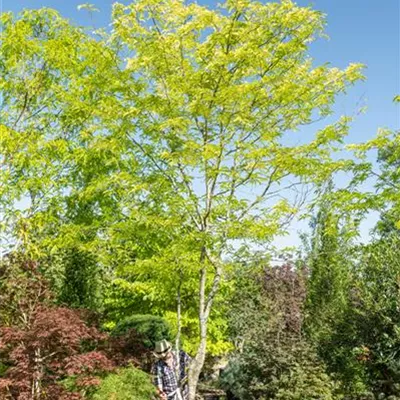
point(126, 384)
point(362, 349)
point(82, 285)
point(275, 360)
point(150, 328)
point(278, 371)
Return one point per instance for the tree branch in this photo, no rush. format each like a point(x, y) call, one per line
point(261, 197)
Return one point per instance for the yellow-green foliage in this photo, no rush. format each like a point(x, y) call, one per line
point(126, 384)
point(160, 147)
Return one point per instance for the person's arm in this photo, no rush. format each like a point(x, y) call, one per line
point(157, 381)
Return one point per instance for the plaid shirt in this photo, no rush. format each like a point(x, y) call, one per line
point(165, 377)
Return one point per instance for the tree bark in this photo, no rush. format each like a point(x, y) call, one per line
point(197, 363)
point(205, 304)
point(37, 375)
point(178, 320)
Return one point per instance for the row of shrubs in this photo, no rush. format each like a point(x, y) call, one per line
point(329, 332)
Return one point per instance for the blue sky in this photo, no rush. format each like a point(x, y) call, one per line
point(359, 30)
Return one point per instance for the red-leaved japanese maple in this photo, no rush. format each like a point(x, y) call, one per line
point(42, 343)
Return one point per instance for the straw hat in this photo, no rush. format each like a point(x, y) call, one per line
point(162, 347)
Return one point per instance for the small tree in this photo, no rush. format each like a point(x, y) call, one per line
point(41, 343)
point(330, 260)
point(81, 285)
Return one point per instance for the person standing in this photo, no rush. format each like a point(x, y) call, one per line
point(164, 370)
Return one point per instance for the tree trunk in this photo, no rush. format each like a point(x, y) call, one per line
point(196, 367)
point(37, 376)
point(198, 361)
point(178, 320)
point(205, 305)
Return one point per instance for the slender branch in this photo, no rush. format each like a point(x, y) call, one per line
point(24, 107)
point(261, 197)
point(202, 288)
point(388, 182)
point(164, 173)
point(36, 112)
point(152, 159)
point(214, 181)
point(189, 189)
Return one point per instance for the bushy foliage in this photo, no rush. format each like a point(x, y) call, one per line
point(41, 343)
point(267, 370)
point(365, 346)
point(275, 361)
point(329, 266)
point(149, 328)
point(328, 287)
point(126, 384)
point(128, 349)
point(352, 307)
point(81, 285)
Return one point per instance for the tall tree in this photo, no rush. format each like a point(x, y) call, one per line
point(62, 166)
point(221, 89)
point(329, 262)
point(357, 332)
point(60, 161)
point(182, 120)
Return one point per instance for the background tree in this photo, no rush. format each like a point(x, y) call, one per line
point(359, 337)
point(274, 359)
point(61, 162)
point(329, 259)
point(81, 282)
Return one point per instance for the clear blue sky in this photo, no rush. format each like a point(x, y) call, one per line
point(366, 31)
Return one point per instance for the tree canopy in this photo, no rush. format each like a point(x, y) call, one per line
point(139, 163)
